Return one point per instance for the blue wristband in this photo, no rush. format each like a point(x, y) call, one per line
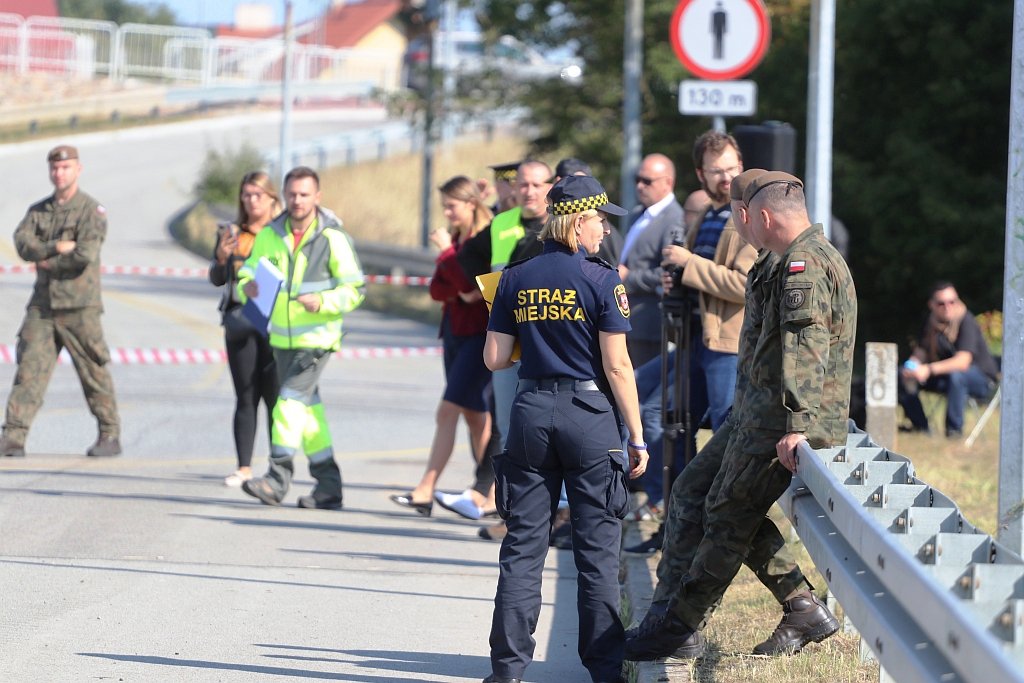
point(638, 446)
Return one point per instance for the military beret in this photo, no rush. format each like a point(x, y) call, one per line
point(506, 172)
point(62, 153)
point(770, 178)
point(740, 182)
point(579, 193)
point(570, 166)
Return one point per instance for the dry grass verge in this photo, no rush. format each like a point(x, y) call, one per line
point(380, 200)
point(748, 613)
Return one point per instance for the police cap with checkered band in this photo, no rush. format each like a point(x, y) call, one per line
point(579, 193)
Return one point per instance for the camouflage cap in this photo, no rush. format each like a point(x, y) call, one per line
point(770, 178)
point(62, 153)
point(740, 182)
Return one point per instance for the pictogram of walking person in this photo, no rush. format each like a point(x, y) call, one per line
point(719, 27)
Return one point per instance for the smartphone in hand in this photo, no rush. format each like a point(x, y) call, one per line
point(227, 229)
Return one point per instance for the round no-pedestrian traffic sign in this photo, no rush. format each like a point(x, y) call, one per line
point(720, 40)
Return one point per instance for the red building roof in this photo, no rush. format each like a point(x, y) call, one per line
point(346, 25)
point(342, 26)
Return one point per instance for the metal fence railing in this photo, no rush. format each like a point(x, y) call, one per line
point(81, 48)
point(934, 598)
point(78, 47)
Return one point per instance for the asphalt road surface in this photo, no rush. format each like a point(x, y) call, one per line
point(147, 568)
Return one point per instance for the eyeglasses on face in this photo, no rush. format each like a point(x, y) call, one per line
point(643, 180)
point(732, 171)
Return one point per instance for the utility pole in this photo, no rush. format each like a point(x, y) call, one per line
point(632, 135)
point(449, 18)
point(428, 140)
point(286, 93)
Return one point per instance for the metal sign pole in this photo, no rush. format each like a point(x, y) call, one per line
point(286, 94)
point(1011, 435)
point(820, 88)
point(632, 135)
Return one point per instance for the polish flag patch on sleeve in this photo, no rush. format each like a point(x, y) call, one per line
point(796, 267)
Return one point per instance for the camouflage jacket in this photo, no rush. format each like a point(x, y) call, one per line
point(760, 281)
point(72, 280)
point(801, 367)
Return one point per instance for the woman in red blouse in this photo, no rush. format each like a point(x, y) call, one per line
point(463, 330)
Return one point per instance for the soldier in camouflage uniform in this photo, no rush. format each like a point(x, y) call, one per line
point(795, 387)
point(62, 236)
point(769, 558)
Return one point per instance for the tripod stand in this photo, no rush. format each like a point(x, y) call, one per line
point(676, 310)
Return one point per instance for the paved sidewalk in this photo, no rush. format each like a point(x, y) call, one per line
point(638, 582)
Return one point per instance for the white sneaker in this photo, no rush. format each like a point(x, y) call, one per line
point(235, 479)
point(461, 504)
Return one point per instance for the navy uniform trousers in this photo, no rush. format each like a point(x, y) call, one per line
point(560, 430)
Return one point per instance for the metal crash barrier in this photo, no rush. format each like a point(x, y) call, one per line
point(932, 596)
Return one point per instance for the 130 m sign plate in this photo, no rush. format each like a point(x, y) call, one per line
point(717, 98)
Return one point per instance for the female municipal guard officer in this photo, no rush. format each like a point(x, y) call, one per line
point(570, 315)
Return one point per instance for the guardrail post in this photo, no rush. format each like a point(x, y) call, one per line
point(880, 390)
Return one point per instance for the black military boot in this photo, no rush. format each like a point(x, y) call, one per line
point(662, 637)
point(655, 613)
point(805, 619)
point(326, 494)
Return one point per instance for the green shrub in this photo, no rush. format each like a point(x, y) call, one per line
point(222, 171)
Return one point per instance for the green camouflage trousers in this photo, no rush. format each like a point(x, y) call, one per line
point(41, 337)
point(761, 547)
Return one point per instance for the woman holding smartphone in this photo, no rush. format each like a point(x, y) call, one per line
point(249, 355)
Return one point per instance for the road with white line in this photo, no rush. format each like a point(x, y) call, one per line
point(145, 567)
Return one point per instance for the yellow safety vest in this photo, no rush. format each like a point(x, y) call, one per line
point(325, 263)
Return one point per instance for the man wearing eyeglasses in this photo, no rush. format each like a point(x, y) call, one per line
point(714, 265)
point(651, 226)
point(951, 358)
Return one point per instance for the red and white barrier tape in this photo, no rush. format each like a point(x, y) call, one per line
point(200, 273)
point(140, 356)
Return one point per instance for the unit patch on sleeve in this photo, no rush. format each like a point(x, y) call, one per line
point(797, 267)
point(795, 298)
point(621, 300)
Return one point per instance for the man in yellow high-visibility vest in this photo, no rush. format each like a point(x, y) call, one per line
point(322, 282)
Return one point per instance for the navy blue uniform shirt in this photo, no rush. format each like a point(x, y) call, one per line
point(556, 303)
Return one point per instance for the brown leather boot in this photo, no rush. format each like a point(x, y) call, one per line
point(9, 448)
point(105, 447)
point(805, 619)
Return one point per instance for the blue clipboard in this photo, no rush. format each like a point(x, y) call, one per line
point(257, 310)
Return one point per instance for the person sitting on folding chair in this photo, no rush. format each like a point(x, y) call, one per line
point(951, 358)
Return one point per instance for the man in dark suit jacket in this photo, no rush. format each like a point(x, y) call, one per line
point(651, 229)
